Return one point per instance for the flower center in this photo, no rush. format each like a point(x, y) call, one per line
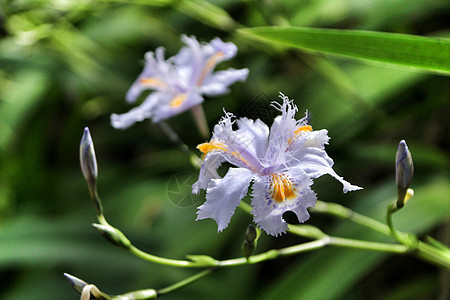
point(178, 100)
point(282, 187)
point(210, 64)
point(153, 82)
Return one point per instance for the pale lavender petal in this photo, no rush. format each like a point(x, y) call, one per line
point(166, 110)
point(229, 49)
point(224, 195)
point(282, 131)
point(137, 114)
point(316, 162)
point(239, 151)
point(217, 83)
point(156, 70)
point(255, 134)
point(208, 171)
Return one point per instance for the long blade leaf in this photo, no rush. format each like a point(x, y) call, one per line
point(426, 54)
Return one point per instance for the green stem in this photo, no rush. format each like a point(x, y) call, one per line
point(343, 212)
point(433, 255)
point(409, 242)
point(391, 209)
point(161, 260)
point(183, 283)
point(373, 246)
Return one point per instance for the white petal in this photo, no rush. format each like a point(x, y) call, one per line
point(137, 114)
point(268, 213)
point(281, 131)
point(239, 151)
point(208, 171)
point(255, 134)
point(229, 49)
point(218, 82)
point(166, 111)
point(316, 138)
point(224, 195)
point(316, 162)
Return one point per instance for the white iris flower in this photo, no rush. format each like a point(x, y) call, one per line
point(180, 82)
point(281, 162)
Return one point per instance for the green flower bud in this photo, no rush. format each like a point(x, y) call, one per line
point(249, 246)
point(113, 235)
point(404, 170)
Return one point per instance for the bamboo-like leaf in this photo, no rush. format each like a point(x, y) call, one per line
point(207, 13)
point(426, 54)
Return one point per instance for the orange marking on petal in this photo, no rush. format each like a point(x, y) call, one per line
point(178, 100)
point(282, 188)
point(152, 82)
point(213, 145)
point(209, 65)
point(301, 130)
point(238, 155)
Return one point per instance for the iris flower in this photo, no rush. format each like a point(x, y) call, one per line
point(281, 162)
point(180, 82)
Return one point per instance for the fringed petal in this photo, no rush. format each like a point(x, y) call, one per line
point(224, 195)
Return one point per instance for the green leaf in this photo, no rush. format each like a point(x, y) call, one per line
point(207, 13)
point(426, 54)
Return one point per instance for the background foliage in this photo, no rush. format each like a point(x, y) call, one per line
point(67, 64)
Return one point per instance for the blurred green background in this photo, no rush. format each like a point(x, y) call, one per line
point(67, 64)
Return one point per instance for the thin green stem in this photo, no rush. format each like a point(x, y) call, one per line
point(343, 212)
point(184, 282)
point(163, 261)
point(433, 255)
point(373, 246)
point(245, 207)
point(272, 254)
point(391, 209)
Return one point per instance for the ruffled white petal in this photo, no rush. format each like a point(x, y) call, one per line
point(268, 213)
point(208, 171)
point(282, 131)
point(239, 150)
point(316, 138)
point(254, 134)
point(224, 195)
point(316, 162)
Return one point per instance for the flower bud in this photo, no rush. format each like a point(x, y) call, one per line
point(75, 282)
point(88, 163)
point(404, 170)
point(113, 235)
point(249, 246)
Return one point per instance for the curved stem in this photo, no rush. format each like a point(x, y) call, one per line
point(343, 212)
point(184, 282)
point(161, 260)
